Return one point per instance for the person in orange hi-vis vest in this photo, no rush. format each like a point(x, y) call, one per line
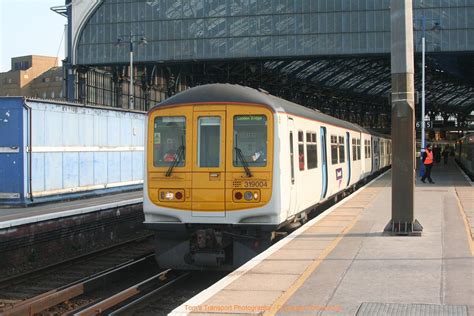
point(427, 158)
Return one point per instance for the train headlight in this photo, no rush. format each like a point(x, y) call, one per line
point(255, 196)
point(171, 195)
point(238, 196)
point(248, 196)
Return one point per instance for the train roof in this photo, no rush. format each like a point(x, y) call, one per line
point(222, 93)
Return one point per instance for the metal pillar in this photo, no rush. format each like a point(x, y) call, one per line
point(403, 121)
point(69, 67)
point(423, 48)
point(131, 89)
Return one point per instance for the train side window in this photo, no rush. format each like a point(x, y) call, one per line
point(367, 148)
point(312, 150)
point(341, 150)
point(209, 142)
point(169, 141)
point(301, 150)
point(358, 149)
point(354, 149)
point(334, 158)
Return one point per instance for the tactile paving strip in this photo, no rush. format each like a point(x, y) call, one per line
point(392, 309)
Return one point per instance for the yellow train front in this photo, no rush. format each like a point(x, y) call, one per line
point(208, 182)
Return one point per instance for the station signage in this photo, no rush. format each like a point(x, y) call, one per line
point(428, 124)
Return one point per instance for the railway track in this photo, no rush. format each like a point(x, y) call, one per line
point(38, 291)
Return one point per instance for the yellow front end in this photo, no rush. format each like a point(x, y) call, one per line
point(210, 159)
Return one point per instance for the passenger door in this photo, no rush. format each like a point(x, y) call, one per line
point(208, 179)
point(11, 152)
point(324, 162)
point(292, 132)
point(349, 162)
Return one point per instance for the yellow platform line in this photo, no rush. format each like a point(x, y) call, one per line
point(466, 223)
point(278, 304)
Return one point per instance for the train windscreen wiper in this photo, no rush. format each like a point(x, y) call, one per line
point(176, 160)
point(243, 161)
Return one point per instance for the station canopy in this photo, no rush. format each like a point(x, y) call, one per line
point(330, 55)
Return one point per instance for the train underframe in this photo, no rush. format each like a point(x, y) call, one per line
point(209, 247)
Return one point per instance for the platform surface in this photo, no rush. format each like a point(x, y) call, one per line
point(10, 217)
point(341, 263)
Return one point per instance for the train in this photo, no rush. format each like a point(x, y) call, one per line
point(227, 166)
point(464, 154)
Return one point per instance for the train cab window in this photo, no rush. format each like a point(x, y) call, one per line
point(209, 141)
point(312, 150)
point(341, 150)
point(334, 152)
point(250, 139)
point(169, 141)
point(301, 150)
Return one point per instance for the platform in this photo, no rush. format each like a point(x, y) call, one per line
point(341, 263)
point(10, 217)
point(37, 236)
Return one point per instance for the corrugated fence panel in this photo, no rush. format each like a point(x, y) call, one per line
point(113, 166)
point(86, 167)
point(125, 166)
point(77, 148)
point(100, 168)
point(38, 168)
point(70, 170)
point(137, 165)
point(53, 171)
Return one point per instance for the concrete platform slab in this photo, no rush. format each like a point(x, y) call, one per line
point(282, 266)
point(11, 217)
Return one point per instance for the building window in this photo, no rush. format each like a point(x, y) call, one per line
point(52, 94)
point(21, 65)
point(334, 158)
point(301, 150)
point(312, 150)
point(341, 149)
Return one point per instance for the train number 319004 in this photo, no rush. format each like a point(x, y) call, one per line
point(255, 184)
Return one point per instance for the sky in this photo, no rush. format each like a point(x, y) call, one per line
point(29, 27)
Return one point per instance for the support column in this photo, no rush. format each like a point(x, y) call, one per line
point(69, 67)
point(403, 123)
